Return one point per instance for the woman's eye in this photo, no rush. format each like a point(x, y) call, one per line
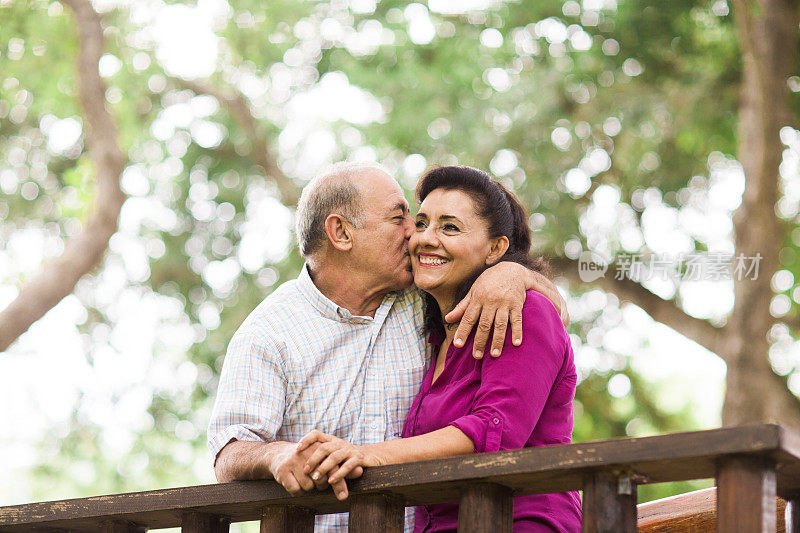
point(419, 224)
point(450, 227)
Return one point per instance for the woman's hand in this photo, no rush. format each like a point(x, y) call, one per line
point(335, 458)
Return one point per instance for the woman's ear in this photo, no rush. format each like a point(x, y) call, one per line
point(497, 250)
point(339, 232)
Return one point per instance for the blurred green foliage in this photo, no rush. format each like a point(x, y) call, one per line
point(652, 84)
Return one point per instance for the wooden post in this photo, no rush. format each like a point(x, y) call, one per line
point(287, 518)
point(195, 522)
point(486, 508)
point(609, 504)
point(745, 495)
point(377, 512)
point(792, 514)
point(120, 526)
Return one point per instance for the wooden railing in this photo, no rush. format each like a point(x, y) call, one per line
point(693, 511)
point(751, 464)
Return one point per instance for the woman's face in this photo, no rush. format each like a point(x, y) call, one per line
point(451, 242)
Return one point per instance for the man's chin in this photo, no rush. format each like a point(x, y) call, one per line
point(405, 280)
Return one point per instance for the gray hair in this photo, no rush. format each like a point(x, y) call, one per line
point(329, 192)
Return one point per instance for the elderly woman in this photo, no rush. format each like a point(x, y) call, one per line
point(467, 222)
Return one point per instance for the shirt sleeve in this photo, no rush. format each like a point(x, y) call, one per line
point(515, 386)
point(251, 395)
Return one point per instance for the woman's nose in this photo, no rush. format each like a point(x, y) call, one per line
point(428, 237)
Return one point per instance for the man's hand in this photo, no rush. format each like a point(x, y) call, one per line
point(333, 460)
point(286, 466)
point(495, 300)
point(280, 460)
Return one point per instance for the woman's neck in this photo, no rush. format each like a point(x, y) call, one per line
point(446, 302)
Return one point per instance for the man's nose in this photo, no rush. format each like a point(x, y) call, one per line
point(409, 229)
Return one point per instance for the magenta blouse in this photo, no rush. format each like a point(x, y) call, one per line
point(519, 400)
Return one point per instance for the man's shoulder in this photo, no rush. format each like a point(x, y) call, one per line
point(279, 307)
point(288, 292)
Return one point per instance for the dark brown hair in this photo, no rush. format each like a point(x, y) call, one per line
point(503, 213)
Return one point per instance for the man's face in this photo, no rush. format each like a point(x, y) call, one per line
point(380, 246)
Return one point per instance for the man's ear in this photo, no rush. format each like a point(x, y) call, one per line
point(498, 249)
point(339, 232)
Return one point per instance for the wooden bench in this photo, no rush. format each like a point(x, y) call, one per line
point(751, 464)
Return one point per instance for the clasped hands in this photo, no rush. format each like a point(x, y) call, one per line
point(320, 460)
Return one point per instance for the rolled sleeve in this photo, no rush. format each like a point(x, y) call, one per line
point(484, 429)
point(515, 386)
point(230, 433)
point(251, 395)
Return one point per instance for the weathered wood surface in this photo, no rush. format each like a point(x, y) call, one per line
point(694, 511)
point(376, 512)
point(673, 457)
point(120, 526)
point(486, 508)
point(194, 522)
point(745, 495)
point(609, 504)
point(288, 519)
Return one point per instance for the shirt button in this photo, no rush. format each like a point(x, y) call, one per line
point(374, 425)
point(495, 421)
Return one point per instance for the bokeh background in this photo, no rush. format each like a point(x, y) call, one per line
point(619, 123)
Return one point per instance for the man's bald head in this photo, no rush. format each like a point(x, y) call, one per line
point(336, 190)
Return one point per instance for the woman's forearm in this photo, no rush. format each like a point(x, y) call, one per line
point(445, 442)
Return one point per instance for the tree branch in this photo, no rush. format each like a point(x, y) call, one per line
point(664, 311)
point(83, 252)
point(238, 106)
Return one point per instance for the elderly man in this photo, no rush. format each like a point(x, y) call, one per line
point(340, 348)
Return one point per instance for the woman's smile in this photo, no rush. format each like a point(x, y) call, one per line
point(431, 260)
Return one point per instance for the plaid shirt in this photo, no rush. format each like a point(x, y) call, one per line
point(300, 362)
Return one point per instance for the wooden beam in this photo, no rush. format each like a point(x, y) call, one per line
point(746, 495)
point(370, 513)
point(287, 518)
point(674, 457)
point(486, 508)
point(197, 522)
point(609, 503)
point(120, 526)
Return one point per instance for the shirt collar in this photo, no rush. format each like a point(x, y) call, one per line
point(330, 309)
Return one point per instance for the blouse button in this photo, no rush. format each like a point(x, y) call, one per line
point(495, 421)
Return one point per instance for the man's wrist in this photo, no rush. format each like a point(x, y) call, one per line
point(525, 272)
point(272, 451)
point(269, 459)
point(527, 278)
